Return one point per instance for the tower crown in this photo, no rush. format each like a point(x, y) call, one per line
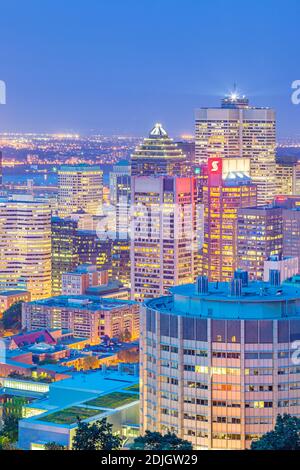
point(158, 131)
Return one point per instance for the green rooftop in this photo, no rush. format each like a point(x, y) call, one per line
point(113, 400)
point(69, 415)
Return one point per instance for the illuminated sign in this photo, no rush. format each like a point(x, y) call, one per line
point(215, 166)
point(215, 171)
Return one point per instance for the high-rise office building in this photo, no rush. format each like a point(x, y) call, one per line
point(164, 242)
point(94, 250)
point(25, 245)
point(237, 129)
point(296, 178)
point(291, 232)
point(121, 171)
point(120, 261)
point(80, 188)
point(260, 236)
point(284, 178)
point(1, 170)
point(64, 250)
point(120, 191)
point(120, 196)
point(216, 364)
point(228, 188)
point(158, 155)
point(72, 247)
point(287, 202)
point(188, 149)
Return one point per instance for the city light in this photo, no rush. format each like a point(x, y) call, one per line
point(149, 231)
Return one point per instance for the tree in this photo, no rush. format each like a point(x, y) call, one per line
point(90, 362)
point(54, 446)
point(5, 443)
point(10, 428)
point(95, 436)
point(157, 441)
point(284, 436)
point(124, 336)
point(12, 317)
point(130, 356)
point(127, 335)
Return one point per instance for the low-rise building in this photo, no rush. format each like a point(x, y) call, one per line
point(286, 266)
point(87, 316)
point(89, 396)
point(112, 290)
point(11, 297)
point(291, 232)
point(78, 281)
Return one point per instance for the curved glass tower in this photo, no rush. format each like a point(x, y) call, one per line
point(219, 361)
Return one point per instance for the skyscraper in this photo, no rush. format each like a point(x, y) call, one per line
point(120, 261)
point(158, 155)
point(291, 232)
point(164, 241)
point(1, 170)
point(80, 188)
point(188, 149)
point(72, 247)
point(296, 178)
point(228, 188)
point(260, 236)
point(94, 250)
point(121, 242)
point(121, 172)
point(284, 178)
point(237, 129)
point(25, 245)
point(64, 250)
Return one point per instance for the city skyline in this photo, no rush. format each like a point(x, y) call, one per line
point(119, 67)
point(149, 227)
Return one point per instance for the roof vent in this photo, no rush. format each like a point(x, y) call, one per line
point(242, 275)
point(235, 288)
point(202, 285)
point(274, 277)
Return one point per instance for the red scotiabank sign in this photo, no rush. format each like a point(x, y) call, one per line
point(215, 171)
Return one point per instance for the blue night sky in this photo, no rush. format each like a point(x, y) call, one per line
point(117, 66)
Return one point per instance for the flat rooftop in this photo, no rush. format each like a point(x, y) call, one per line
point(79, 168)
point(258, 300)
point(83, 302)
point(255, 291)
point(107, 392)
point(98, 382)
point(10, 293)
point(111, 286)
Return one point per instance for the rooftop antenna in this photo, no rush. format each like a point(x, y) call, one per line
point(234, 93)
